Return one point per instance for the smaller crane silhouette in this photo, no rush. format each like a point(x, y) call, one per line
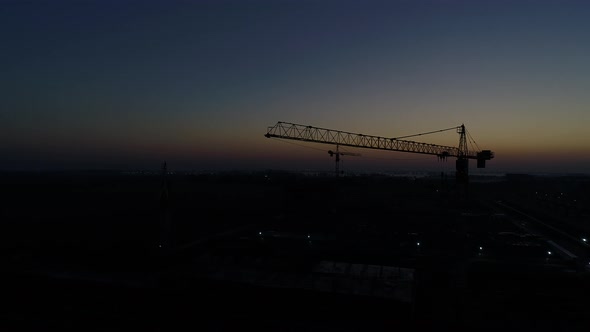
point(337, 160)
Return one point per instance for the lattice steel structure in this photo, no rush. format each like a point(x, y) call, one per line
point(328, 136)
point(304, 133)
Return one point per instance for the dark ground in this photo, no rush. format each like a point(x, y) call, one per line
point(80, 251)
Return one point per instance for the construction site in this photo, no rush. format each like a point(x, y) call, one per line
point(279, 250)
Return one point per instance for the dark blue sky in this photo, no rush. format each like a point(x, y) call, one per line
point(126, 84)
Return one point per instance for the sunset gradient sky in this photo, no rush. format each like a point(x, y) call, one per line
point(128, 84)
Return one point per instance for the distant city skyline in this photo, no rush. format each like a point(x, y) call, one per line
point(129, 84)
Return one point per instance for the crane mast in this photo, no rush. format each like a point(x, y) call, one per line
point(292, 131)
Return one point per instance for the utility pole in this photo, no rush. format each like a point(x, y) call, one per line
point(164, 242)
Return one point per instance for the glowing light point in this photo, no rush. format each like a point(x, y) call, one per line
point(584, 240)
point(548, 252)
point(480, 248)
point(418, 243)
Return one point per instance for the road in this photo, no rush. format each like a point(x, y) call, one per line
point(567, 245)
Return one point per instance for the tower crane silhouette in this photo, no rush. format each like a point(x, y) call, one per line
point(286, 130)
point(337, 154)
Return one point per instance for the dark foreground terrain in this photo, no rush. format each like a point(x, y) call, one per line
point(274, 251)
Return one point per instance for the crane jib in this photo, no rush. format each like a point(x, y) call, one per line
point(298, 132)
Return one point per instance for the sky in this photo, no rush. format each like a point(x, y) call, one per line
point(128, 84)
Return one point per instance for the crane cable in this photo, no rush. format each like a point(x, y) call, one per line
point(430, 132)
point(472, 140)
